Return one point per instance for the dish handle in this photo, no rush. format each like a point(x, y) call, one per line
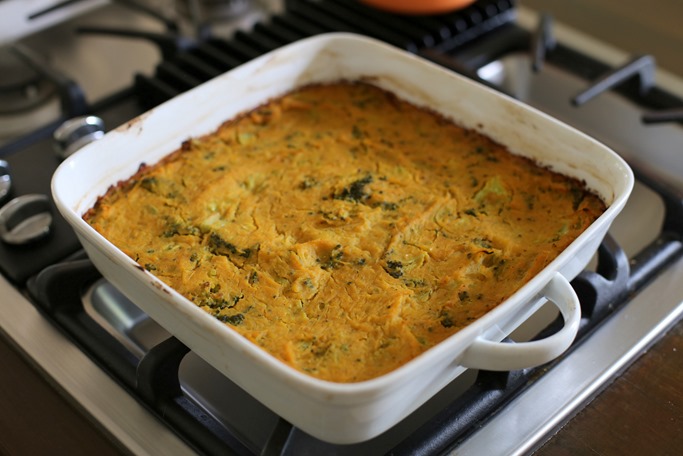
point(503, 356)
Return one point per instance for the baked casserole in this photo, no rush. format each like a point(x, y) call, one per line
point(342, 229)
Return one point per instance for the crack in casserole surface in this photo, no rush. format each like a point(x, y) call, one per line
point(344, 230)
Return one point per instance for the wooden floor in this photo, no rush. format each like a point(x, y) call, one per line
point(641, 413)
point(31, 407)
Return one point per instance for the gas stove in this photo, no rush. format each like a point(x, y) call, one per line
point(103, 63)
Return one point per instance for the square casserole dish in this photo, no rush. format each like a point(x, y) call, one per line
point(347, 412)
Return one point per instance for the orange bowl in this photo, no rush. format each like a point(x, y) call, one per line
point(418, 6)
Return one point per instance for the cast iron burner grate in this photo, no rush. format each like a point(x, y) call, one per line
point(304, 18)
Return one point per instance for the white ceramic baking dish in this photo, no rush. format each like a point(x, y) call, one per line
point(336, 412)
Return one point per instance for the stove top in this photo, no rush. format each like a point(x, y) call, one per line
point(81, 332)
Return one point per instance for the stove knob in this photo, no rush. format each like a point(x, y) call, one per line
point(76, 133)
point(25, 219)
point(5, 181)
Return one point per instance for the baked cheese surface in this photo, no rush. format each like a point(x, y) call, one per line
point(343, 230)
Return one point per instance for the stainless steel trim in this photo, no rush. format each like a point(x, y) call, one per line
point(81, 381)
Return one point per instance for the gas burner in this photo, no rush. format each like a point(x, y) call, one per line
point(215, 10)
point(27, 97)
point(21, 87)
point(221, 18)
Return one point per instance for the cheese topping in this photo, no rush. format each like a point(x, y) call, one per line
point(343, 230)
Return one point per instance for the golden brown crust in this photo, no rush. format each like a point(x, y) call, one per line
point(343, 230)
